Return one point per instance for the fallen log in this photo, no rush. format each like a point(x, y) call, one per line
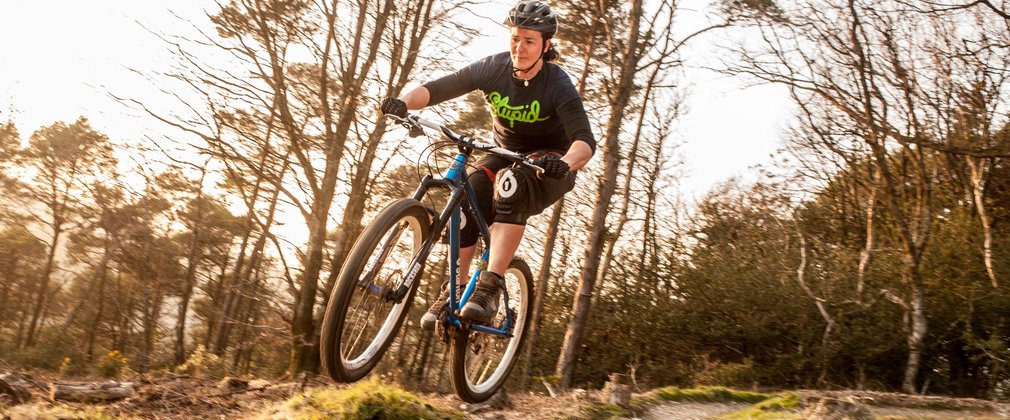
point(13, 389)
point(91, 392)
point(233, 385)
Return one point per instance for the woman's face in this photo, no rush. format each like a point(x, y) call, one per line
point(526, 46)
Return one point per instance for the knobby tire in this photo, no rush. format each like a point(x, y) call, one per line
point(356, 304)
point(475, 372)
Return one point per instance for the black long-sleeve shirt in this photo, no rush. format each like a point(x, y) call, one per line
point(547, 114)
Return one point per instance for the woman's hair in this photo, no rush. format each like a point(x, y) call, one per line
point(551, 55)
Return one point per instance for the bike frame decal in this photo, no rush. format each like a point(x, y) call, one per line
point(453, 259)
point(472, 283)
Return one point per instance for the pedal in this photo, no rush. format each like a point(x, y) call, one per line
point(510, 321)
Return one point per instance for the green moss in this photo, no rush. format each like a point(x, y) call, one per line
point(45, 412)
point(755, 414)
point(601, 411)
point(782, 402)
point(701, 394)
point(781, 407)
point(364, 400)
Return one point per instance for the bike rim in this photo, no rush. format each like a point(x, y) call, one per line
point(366, 308)
point(488, 356)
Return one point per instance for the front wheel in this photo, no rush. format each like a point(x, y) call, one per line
point(361, 320)
point(481, 361)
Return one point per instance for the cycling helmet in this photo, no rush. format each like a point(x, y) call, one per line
point(533, 15)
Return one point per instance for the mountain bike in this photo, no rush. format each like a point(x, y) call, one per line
point(380, 277)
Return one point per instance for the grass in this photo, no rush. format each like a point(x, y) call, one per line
point(601, 411)
point(701, 394)
point(45, 412)
point(364, 400)
point(596, 410)
point(781, 407)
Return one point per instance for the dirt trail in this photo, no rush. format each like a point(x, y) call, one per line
point(691, 411)
point(187, 398)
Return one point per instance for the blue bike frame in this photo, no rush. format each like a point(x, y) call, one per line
point(455, 180)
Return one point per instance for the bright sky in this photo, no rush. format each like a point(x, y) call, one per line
point(59, 58)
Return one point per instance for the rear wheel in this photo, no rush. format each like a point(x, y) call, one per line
point(361, 321)
point(481, 361)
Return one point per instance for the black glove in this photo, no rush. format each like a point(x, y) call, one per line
point(394, 106)
point(554, 167)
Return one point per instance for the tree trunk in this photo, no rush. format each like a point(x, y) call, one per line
point(4, 296)
point(152, 311)
point(180, 321)
point(43, 289)
point(866, 255)
point(632, 158)
point(552, 229)
point(304, 351)
point(977, 168)
point(583, 298)
point(305, 348)
point(829, 322)
point(215, 294)
point(239, 281)
point(19, 339)
point(543, 280)
point(362, 180)
point(119, 312)
point(93, 330)
point(917, 329)
point(220, 328)
point(192, 262)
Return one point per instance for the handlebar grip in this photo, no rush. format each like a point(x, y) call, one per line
point(530, 164)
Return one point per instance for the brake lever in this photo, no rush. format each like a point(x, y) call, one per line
point(540, 171)
point(414, 130)
point(413, 127)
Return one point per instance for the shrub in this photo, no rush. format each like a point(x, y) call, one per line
point(112, 363)
point(729, 374)
point(202, 362)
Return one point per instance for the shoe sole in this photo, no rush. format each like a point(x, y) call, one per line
point(428, 322)
point(475, 314)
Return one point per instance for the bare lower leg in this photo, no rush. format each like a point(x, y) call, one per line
point(505, 239)
point(465, 257)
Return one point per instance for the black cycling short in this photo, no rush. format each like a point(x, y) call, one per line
point(508, 193)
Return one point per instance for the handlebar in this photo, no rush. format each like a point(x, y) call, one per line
point(415, 123)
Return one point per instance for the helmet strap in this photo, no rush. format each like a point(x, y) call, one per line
point(516, 70)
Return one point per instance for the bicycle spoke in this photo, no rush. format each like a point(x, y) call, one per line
point(483, 360)
point(361, 319)
point(385, 248)
point(370, 317)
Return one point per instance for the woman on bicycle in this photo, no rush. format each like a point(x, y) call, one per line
point(537, 112)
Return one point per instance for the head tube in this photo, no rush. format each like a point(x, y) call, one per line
point(455, 172)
